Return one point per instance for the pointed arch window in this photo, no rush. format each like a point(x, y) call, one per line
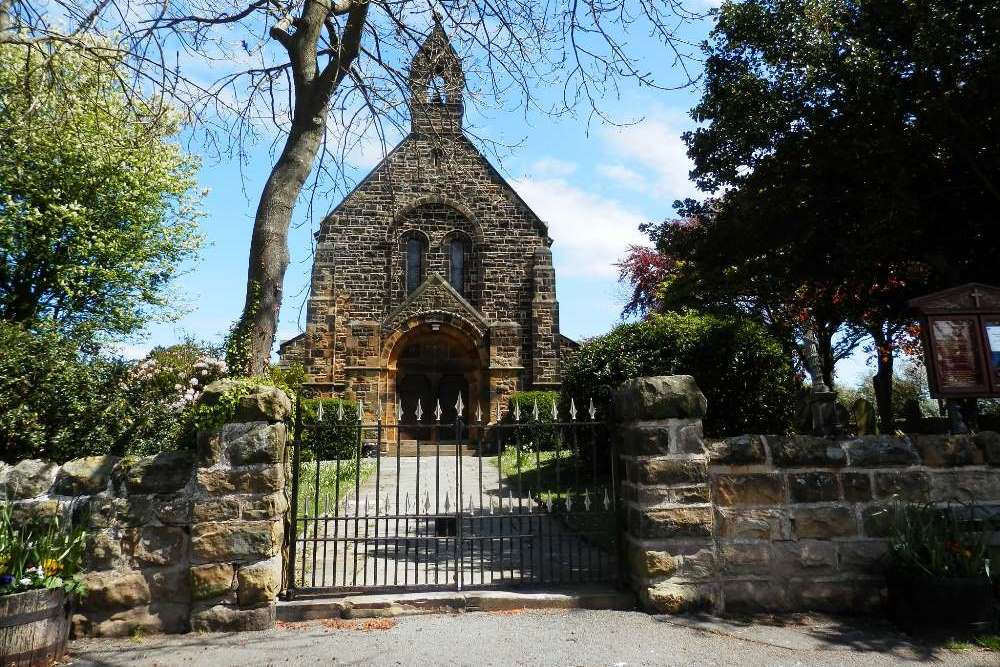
point(416, 261)
point(457, 250)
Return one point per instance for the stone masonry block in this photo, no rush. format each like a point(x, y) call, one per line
point(864, 556)
point(757, 524)
point(674, 522)
point(235, 541)
point(797, 451)
point(258, 583)
point(660, 397)
point(857, 486)
point(941, 451)
point(112, 589)
point(248, 479)
point(745, 558)
point(877, 520)
point(675, 598)
point(989, 443)
point(667, 472)
point(164, 473)
point(27, 479)
point(750, 489)
point(824, 523)
point(965, 485)
point(872, 451)
point(222, 618)
point(739, 450)
point(85, 476)
point(813, 487)
point(903, 486)
point(649, 564)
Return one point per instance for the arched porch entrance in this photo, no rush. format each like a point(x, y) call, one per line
point(432, 364)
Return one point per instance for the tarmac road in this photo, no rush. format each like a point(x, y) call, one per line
point(576, 637)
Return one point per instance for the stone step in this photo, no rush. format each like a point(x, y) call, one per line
point(407, 604)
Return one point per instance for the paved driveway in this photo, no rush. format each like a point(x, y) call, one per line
point(533, 638)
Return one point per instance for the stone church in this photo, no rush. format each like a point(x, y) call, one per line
point(432, 277)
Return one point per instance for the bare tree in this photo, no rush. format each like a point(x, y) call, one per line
point(327, 74)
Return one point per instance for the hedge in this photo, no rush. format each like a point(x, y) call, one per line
point(742, 370)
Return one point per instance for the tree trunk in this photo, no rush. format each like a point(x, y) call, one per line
point(883, 381)
point(824, 346)
point(269, 244)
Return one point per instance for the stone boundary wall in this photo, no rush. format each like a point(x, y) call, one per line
point(776, 523)
point(179, 541)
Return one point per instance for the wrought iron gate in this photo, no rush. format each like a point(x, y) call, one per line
point(470, 505)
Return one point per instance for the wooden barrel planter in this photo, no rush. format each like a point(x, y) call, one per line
point(34, 627)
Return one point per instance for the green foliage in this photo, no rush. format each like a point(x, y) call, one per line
point(839, 138)
point(539, 433)
point(741, 369)
point(97, 205)
point(39, 555)
point(55, 402)
point(931, 541)
point(59, 403)
point(336, 436)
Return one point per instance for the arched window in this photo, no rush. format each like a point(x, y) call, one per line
point(415, 262)
point(436, 90)
point(456, 264)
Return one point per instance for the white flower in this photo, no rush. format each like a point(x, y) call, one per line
point(204, 373)
point(193, 382)
point(178, 387)
point(25, 582)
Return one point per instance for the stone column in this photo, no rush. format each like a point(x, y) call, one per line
point(237, 518)
point(669, 528)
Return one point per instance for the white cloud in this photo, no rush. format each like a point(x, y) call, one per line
point(591, 232)
point(623, 176)
point(550, 167)
point(657, 155)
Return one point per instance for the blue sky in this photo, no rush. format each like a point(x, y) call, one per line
point(592, 183)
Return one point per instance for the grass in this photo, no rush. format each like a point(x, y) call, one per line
point(328, 481)
point(551, 477)
point(551, 474)
point(987, 642)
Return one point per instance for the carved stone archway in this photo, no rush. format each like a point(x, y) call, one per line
point(433, 362)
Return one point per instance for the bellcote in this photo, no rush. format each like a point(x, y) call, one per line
point(437, 83)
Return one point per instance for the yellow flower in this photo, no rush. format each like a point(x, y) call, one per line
point(51, 567)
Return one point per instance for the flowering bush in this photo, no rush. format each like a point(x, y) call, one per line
point(40, 555)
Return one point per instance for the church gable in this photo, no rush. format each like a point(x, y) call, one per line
point(435, 298)
point(420, 170)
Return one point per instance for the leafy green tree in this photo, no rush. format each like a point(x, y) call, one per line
point(745, 374)
point(97, 202)
point(56, 404)
point(854, 151)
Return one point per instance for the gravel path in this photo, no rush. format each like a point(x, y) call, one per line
point(532, 638)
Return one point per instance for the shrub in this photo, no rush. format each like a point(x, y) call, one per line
point(59, 402)
point(56, 402)
point(336, 436)
point(540, 432)
point(741, 368)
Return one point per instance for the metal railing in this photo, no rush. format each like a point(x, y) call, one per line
point(432, 505)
